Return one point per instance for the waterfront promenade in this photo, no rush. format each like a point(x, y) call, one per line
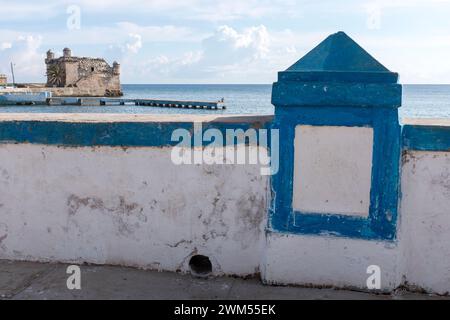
point(336, 192)
point(29, 280)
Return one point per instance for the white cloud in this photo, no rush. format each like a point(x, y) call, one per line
point(175, 41)
point(417, 58)
point(24, 52)
point(161, 67)
point(227, 47)
point(228, 55)
point(15, 10)
point(164, 33)
point(117, 34)
point(136, 44)
point(205, 10)
point(404, 3)
point(194, 9)
point(374, 9)
point(234, 10)
point(5, 45)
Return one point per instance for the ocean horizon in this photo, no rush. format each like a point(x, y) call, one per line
point(419, 100)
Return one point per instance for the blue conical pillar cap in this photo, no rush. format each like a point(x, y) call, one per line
point(339, 58)
point(337, 72)
point(338, 52)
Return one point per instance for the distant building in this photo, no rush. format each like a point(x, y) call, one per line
point(3, 79)
point(89, 74)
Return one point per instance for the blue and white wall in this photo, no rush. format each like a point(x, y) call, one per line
point(335, 209)
point(425, 204)
point(354, 187)
point(418, 256)
point(103, 189)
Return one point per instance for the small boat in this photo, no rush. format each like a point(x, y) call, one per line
point(11, 97)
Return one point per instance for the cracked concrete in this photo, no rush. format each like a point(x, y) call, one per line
point(30, 280)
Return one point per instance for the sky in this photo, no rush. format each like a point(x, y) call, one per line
point(232, 41)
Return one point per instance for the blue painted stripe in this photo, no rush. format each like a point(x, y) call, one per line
point(333, 224)
point(131, 134)
point(426, 138)
point(325, 116)
point(290, 93)
point(338, 77)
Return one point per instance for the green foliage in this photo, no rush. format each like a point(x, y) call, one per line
point(55, 75)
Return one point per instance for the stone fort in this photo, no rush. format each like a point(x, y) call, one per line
point(86, 76)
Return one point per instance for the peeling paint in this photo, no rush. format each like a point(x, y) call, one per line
point(186, 242)
point(133, 208)
point(119, 213)
point(252, 212)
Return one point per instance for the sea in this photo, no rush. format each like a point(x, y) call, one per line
point(419, 101)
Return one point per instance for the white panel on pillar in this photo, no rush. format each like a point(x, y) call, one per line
point(332, 170)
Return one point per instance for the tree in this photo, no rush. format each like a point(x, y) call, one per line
point(55, 75)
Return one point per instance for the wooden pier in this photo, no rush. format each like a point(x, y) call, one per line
point(64, 101)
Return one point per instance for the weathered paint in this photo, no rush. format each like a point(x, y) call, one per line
point(325, 248)
point(425, 209)
point(103, 189)
point(338, 72)
point(332, 170)
point(334, 103)
point(289, 93)
point(133, 206)
point(126, 134)
point(381, 223)
point(327, 261)
point(426, 137)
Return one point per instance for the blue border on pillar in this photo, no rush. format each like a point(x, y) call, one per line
point(382, 220)
point(381, 223)
point(339, 84)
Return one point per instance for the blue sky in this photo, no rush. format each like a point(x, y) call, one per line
point(245, 41)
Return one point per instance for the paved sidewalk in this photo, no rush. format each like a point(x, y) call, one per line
point(29, 280)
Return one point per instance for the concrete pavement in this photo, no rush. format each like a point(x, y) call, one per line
point(30, 280)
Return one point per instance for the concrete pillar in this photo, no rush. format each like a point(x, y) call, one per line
point(335, 197)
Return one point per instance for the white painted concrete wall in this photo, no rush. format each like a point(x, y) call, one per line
point(419, 258)
point(329, 261)
point(129, 207)
point(425, 218)
point(332, 175)
point(134, 207)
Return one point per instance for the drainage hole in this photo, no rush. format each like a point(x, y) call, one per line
point(200, 265)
